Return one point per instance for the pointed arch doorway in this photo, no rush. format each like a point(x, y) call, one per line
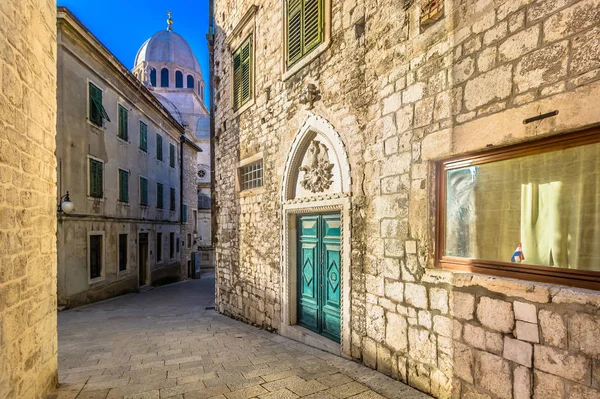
point(315, 198)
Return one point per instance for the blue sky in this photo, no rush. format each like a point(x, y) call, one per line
point(123, 25)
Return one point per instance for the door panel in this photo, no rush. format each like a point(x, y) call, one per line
point(319, 274)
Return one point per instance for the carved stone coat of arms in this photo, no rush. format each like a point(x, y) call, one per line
point(317, 168)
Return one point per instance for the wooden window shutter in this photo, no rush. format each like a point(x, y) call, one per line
point(159, 196)
point(143, 191)
point(123, 186)
point(246, 55)
point(172, 199)
point(96, 178)
point(171, 155)
point(184, 212)
point(311, 26)
point(294, 31)
point(143, 136)
point(123, 125)
point(159, 149)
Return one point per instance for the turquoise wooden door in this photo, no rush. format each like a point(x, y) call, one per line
point(319, 276)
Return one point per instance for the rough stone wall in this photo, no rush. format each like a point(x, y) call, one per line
point(190, 198)
point(28, 343)
point(402, 98)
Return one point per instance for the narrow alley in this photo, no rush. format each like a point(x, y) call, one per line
point(170, 343)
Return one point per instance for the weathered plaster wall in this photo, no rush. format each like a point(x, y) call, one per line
point(81, 60)
point(190, 198)
point(401, 99)
point(28, 343)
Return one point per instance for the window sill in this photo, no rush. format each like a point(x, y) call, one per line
point(252, 191)
point(96, 280)
point(532, 273)
point(95, 128)
point(145, 152)
point(123, 141)
point(243, 108)
point(289, 72)
point(101, 199)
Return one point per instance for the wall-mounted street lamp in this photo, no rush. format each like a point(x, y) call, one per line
point(66, 205)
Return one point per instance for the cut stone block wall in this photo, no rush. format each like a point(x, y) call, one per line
point(401, 99)
point(28, 342)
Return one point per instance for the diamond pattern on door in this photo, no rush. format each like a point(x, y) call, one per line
point(307, 271)
point(333, 278)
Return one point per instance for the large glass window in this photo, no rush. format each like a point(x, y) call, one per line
point(535, 207)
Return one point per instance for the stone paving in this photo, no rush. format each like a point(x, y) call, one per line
point(165, 343)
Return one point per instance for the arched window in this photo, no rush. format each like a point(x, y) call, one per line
point(190, 82)
point(178, 79)
point(153, 77)
point(164, 77)
point(199, 86)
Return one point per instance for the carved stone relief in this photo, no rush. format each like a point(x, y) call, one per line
point(317, 168)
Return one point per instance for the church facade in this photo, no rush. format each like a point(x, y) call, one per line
point(414, 185)
point(129, 163)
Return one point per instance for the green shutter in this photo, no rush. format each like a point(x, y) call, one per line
point(143, 191)
point(123, 186)
point(294, 30)
point(96, 109)
point(159, 196)
point(242, 74)
point(172, 155)
point(123, 123)
point(172, 199)
point(159, 149)
point(184, 212)
point(143, 137)
point(304, 28)
point(96, 172)
point(311, 27)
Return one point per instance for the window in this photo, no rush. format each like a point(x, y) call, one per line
point(123, 185)
point(122, 252)
point(159, 145)
point(202, 173)
point(96, 109)
point(159, 196)
point(164, 77)
point(153, 77)
point(195, 220)
point(123, 122)
point(95, 251)
point(143, 137)
point(190, 82)
point(177, 245)
point(203, 201)
point(96, 178)
point(431, 12)
point(171, 245)
point(171, 155)
point(251, 175)
point(143, 191)
point(178, 79)
point(242, 74)
point(528, 211)
point(172, 199)
point(158, 247)
point(304, 28)
point(184, 213)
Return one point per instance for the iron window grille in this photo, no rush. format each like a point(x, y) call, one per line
point(251, 176)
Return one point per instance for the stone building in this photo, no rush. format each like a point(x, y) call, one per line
point(384, 166)
point(167, 66)
point(121, 158)
point(28, 343)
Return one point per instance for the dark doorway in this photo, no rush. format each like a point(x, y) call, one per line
point(143, 259)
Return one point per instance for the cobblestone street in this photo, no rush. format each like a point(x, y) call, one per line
point(165, 343)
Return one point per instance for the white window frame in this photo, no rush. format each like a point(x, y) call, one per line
point(102, 256)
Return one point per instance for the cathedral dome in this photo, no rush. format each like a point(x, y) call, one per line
point(168, 46)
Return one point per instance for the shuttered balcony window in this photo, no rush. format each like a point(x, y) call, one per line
point(242, 74)
point(96, 178)
point(304, 28)
point(143, 137)
point(123, 185)
point(171, 155)
point(123, 123)
point(96, 109)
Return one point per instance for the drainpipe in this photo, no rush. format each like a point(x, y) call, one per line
point(211, 52)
